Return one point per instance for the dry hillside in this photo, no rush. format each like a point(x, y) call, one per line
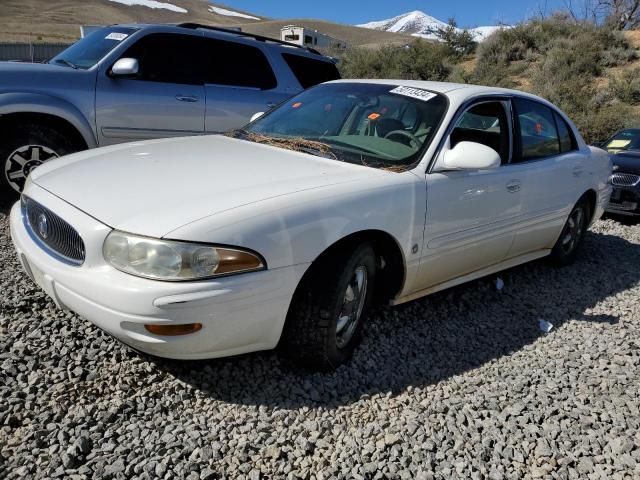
point(59, 20)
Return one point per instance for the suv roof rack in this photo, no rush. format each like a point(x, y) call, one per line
point(259, 38)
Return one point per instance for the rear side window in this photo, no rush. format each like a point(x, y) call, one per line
point(567, 140)
point(537, 135)
point(168, 58)
point(237, 65)
point(310, 72)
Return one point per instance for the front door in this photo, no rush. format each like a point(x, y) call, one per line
point(471, 215)
point(166, 99)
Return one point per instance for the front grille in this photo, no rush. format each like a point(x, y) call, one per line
point(625, 179)
point(53, 234)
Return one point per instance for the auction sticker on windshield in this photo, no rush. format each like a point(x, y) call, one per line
point(116, 36)
point(418, 93)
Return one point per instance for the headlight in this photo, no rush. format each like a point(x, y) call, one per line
point(171, 260)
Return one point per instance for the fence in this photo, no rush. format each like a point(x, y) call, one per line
point(30, 52)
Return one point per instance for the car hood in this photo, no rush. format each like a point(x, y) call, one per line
point(27, 75)
point(153, 187)
point(628, 162)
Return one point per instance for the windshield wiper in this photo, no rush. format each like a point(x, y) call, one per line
point(66, 62)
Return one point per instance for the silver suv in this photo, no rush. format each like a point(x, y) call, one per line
point(129, 82)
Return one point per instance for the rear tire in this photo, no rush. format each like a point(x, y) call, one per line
point(24, 147)
point(568, 245)
point(329, 309)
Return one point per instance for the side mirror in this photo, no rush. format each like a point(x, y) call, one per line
point(256, 116)
point(125, 67)
point(470, 156)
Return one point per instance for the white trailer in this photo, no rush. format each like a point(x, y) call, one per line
point(308, 37)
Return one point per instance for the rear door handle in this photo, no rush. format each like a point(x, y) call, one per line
point(186, 98)
point(577, 171)
point(513, 186)
point(271, 104)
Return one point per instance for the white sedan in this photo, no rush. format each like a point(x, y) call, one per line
point(284, 233)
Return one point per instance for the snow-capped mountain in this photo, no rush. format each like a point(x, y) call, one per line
point(419, 24)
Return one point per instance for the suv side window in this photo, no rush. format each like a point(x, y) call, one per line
point(567, 140)
point(484, 123)
point(237, 65)
point(537, 136)
point(310, 72)
point(168, 58)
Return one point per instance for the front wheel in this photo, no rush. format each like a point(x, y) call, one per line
point(566, 248)
point(329, 309)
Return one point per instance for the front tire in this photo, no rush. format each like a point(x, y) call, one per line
point(568, 245)
point(25, 147)
point(329, 309)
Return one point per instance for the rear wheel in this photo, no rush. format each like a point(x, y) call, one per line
point(25, 147)
point(329, 309)
point(568, 245)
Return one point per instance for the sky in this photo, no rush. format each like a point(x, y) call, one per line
point(468, 13)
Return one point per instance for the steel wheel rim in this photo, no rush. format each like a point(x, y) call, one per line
point(353, 301)
point(22, 160)
point(572, 231)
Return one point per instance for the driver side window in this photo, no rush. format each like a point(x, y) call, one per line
point(484, 123)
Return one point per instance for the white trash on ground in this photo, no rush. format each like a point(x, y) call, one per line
point(499, 284)
point(545, 326)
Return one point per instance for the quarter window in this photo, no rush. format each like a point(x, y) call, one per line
point(567, 140)
point(237, 65)
point(310, 72)
point(537, 134)
point(484, 123)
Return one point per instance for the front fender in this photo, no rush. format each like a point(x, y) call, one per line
point(26, 102)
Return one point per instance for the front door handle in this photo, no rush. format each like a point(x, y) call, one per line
point(186, 98)
point(577, 171)
point(271, 104)
point(513, 186)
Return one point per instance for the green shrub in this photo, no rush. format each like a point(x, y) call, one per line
point(626, 86)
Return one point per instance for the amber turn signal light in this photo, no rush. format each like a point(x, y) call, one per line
point(174, 330)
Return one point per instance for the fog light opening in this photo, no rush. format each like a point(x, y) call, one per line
point(174, 330)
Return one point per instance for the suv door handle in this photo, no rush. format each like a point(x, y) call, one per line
point(186, 98)
point(271, 104)
point(577, 171)
point(513, 186)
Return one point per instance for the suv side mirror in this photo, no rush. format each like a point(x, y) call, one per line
point(125, 67)
point(470, 156)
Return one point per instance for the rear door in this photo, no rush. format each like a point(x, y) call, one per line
point(240, 81)
point(550, 166)
point(166, 99)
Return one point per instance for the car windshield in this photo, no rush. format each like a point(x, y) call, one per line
point(624, 140)
point(85, 53)
point(381, 126)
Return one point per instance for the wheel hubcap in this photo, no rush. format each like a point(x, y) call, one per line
point(573, 230)
point(352, 305)
point(21, 161)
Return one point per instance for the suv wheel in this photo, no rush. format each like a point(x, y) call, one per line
point(328, 311)
point(24, 148)
point(566, 248)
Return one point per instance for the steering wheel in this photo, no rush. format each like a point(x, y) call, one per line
point(413, 140)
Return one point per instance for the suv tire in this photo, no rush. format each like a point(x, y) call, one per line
point(329, 309)
point(25, 147)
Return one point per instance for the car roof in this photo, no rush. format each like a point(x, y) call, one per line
point(457, 91)
point(239, 36)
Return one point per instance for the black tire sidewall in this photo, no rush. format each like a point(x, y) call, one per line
point(364, 255)
point(30, 134)
point(558, 255)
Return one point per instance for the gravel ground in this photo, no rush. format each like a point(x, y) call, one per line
point(463, 384)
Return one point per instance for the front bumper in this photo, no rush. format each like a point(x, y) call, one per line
point(625, 201)
point(239, 314)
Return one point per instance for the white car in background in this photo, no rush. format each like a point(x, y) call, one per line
point(285, 232)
